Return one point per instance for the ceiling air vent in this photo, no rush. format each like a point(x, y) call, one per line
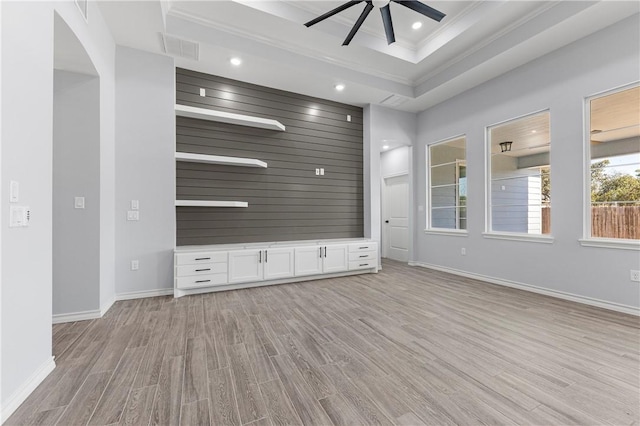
point(393, 100)
point(178, 47)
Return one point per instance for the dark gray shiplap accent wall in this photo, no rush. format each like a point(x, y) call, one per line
point(287, 201)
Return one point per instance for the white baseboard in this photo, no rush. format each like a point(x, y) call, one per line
point(20, 395)
point(98, 313)
point(145, 293)
point(632, 310)
point(77, 316)
point(105, 307)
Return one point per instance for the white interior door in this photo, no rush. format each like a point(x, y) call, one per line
point(396, 218)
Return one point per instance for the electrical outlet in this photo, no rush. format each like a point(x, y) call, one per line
point(133, 215)
point(317, 172)
point(348, 117)
point(135, 265)
point(635, 275)
point(463, 251)
point(202, 92)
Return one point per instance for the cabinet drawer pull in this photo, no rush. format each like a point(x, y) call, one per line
point(203, 281)
point(201, 270)
point(364, 255)
point(364, 264)
point(203, 258)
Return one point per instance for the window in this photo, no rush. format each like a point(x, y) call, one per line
point(614, 165)
point(448, 184)
point(519, 184)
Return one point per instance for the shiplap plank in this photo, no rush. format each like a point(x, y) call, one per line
point(287, 200)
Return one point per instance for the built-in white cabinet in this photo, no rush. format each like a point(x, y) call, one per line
point(278, 263)
point(260, 265)
point(205, 269)
point(363, 256)
point(245, 266)
point(335, 259)
point(308, 260)
point(236, 265)
point(324, 259)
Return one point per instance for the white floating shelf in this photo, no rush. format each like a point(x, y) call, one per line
point(203, 203)
point(218, 159)
point(228, 117)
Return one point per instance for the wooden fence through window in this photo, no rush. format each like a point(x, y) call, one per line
point(606, 221)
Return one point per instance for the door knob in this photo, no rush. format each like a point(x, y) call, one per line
point(386, 221)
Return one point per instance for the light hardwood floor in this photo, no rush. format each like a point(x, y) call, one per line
point(407, 346)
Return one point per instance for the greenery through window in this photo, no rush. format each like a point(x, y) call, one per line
point(448, 184)
point(520, 175)
point(614, 130)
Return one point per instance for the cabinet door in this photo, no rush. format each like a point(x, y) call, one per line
point(278, 263)
point(245, 266)
point(308, 260)
point(336, 258)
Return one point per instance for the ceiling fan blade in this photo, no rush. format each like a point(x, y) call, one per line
point(329, 14)
point(388, 25)
point(358, 23)
point(422, 8)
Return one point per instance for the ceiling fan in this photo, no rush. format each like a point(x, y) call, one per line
point(386, 15)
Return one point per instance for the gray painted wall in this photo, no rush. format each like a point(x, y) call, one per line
point(395, 162)
point(385, 125)
point(145, 146)
point(26, 134)
point(558, 81)
point(287, 201)
point(76, 172)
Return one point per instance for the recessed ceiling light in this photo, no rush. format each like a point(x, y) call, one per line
point(534, 131)
point(385, 146)
point(339, 87)
point(416, 25)
point(235, 61)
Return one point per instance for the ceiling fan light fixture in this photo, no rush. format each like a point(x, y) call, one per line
point(380, 3)
point(385, 11)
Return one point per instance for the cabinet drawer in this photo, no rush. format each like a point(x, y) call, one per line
point(354, 248)
point(201, 281)
point(202, 257)
point(365, 264)
point(203, 269)
point(362, 255)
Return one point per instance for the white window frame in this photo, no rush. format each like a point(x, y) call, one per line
point(588, 240)
point(501, 235)
point(429, 229)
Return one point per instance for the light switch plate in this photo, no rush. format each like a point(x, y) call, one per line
point(349, 118)
point(133, 215)
point(19, 216)
point(135, 265)
point(202, 93)
point(78, 203)
point(321, 172)
point(135, 205)
point(317, 172)
point(14, 189)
